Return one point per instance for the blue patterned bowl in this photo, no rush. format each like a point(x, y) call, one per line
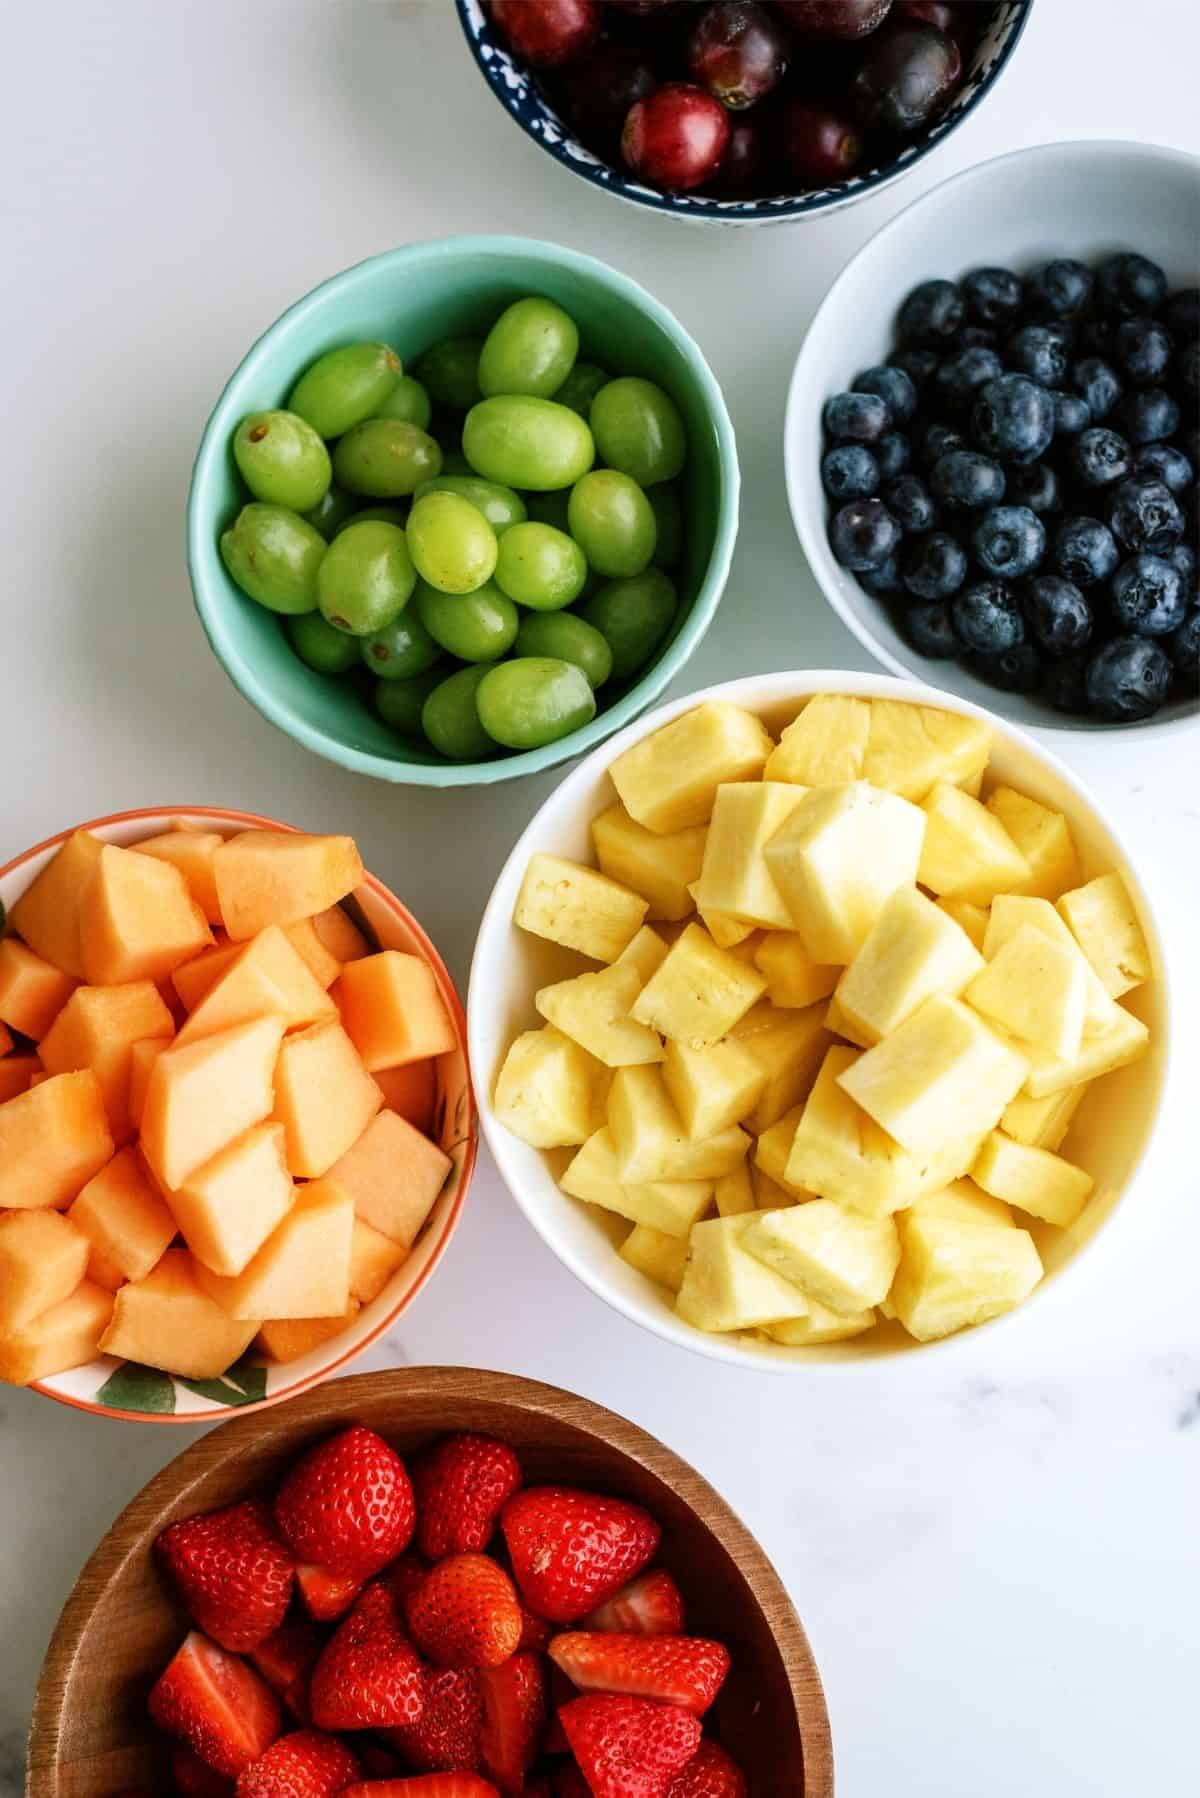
point(518, 92)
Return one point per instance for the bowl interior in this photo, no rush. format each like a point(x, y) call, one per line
point(125, 1387)
point(1108, 1135)
point(90, 1736)
point(1084, 200)
point(411, 298)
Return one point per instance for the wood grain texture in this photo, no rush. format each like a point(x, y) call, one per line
point(90, 1738)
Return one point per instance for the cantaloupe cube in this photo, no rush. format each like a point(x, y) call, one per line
point(659, 867)
point(593, 1010)
point(953, 1274)
point(127, 1223)
point(788, 1046)
point(142, 1057)
point(661, 1258)
point(194, 978)
point(838, 858)
point(279, 876)
point(821, 1325)
point(973, 919)
point(1011, 912)
point(32, 990)
point(912, 951)
point(725, 1287)
point(1042, 1123)
point(228, 1207)
point(191, 851)
point(47, 913)
point(699, 992)
point(650, 1140)
point(841, 1258)
point(323, 966)
point(735, 878)
point(203, 1095)
point(966, 1202)
point(137, 920)
point(1035, 989)
point(67, 1335)
point(576, 906)
point(168, 1321)
point(53, 1138)
point(393, 1010)
point(302, 1269)
point(545, 1091)
point(287, 1338)
point(669, 1206)
point(825, 746)
point(669, 780)
point(967, 852)
point(97, 1029)
point(733, 1194)
point(1034, 1180)
point(17, 1074)
point(324, 1097)
point(42, 1260)
point(713, 1086)
point(394, 1175)
point(374, 1258)
point(793, 978)
point(726, 931)
point(1104, 923)
point(411, 1090)
point(774, 1147)
point(265, 978)
point(1044, 838)
point(910, 748)
point(336, 930)
point(646, 952)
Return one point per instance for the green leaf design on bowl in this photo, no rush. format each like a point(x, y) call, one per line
point(136, 1388)
point(245, 1383)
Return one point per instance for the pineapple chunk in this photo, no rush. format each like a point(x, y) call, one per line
point(725, 1288)
point(1103, 921)
point(913, 951)
point(821, 1325)
point(838, 1024)
point(669, 1206)
point(669, 780)
point(1044, 839)
point(577, 907)
point(967, 851)
point(699, 992)
point(840, 1258)
point(1033, 1180)
point(734, 1193)
point(794, 980)
point(910, 748)
point(725, 930)
point(661, 1258)
point(734, 878)
point(1011, 912)
point(1123, 1041)
point(544, 1091)
point(773, 1148)
point(646, 952)
point(971, 918)
point(650, 1140)
point(825, 745)
point(712, 1087)
point(593, 1010)
point(940, 1077)
point(770, 1196)
point(1042, 1123)
point(660, 868)
point(1035, 989)
point(837, 860)
point(953, 1273)
point(788, 1046)
point(963, 1200)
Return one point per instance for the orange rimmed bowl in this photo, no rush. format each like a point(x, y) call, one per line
point(139, 1394)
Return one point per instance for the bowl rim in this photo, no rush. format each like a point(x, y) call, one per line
point(756, 692)
point(124, 1536)
point(256, 820)
point(810, 530)
point(201, 511)
point(709, 210)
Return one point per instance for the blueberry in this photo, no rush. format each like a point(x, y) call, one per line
point(910, 504)
point(939, 440)
point(929, 630)
point(1130, 284)
point(1183, 647)
point(917, 364)
point(1099, 457)
point(1181, 314)
point(1009, 541)
point(1095, 380)
point(1149, 415)
point(1142, 349)
point(993, 295)
point(987, 618)
point(850, 472)
point(958, 377)
point(1128, 679)
point(931, 313)
point(1034, 484)
point(1015, 670)
point(1072, 413)
point(1145, 514)
point(856, 417)
point(893, 452)
point(1182, 557)
point(863, 534)
point(883, 580)
point(1013, 417)
point(1039, 351)
point(934, 567)
point(1147, 597)
point(1057, 614)
point(1163, 462)
point(894, 387)
point(1065, 685)
point(976, 337)
point(1059, 289)
point(965, 478)
point(1084, 551)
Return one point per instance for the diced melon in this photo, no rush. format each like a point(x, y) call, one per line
point(323, 966)
point(287, 1338)
point(913, 950)
point(963, 1200)
point(1011, 912)
point(227, 1208)
point(411, 1090)
point(340, 935)
point(726, 1288)
point(303, 1267)
point(837, 860)
point(42, 1260)
point(67, 1335)
point(669, 1206)
point(953, 1274)
point(142, 1057)
point(646, 952)
point(1035, 989)
point(394, 1175)
point(32, 990)
point(1103, 921)
point(393, 1009)
point(650, 1140)
point(374, 1258)
point(793, 978)
point(843, 1259)
point(661, 1258)
point(576, 906)
point(669, 780)
point(838, 1024)
point(18, 1073)
point(967, 851)
point(593, 1009)
point(47, 913)
point(1124, 1040)
point(910, 748)
point(1034, 1180)
point(137, 920)
point(545, 1090)
point(726, 931)
point(714, 1086)
point(826, 745)
point(1044, 838)
point(735, 878)
point(699, 992)
point(97, 1029)
point(53, 1138)
point(191, 851)
point(1042, 1123)
point(168, 1321)
point(193, 979)
point(821, 1325)
point(324, 1097)
point(265, 978)
point(788, 1046)
point(774, 1147)
point(660, 868)
point(126, 1222)
point(203, 1095)
point(973, 919)
point(279, 876)
point(734, 1193)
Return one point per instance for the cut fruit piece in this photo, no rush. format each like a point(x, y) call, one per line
point(67, 1335)
point(669, 1206)
point(825, 746)
point(646, 952)
point(43, 1256)
point(47, 913)
point(280, 876)
point(374, 1258)
point(941, 1077)
point(669, 780)
point(770, 1196)
point(913, 951)
point(142, 1056)
point(821, 1325)
point(793, 978)
point(394, 1175)
point(1034, 1180)
point(324, 1097)
point(838, 1024)
point(126, 1222)
point(18, 1073)
point(217, 1704)
point(593, 1010)
point(788, 1046)
point(53, 1138)
point(168, 1321)
point(967, 852)
point(32, 990)
point(843, 1259)
point(699, 992)
point(735, 878)
point(773, 1150)
point(953, 1274)
point(660, 868)
point(323, 966)
point(726, 1288)
point(1044, 838)
point(336, 929)
point(97, 1029)
point(264, 978)
point(227, 1208)
point(303, 1267)
point(734, 1193)
point(1035, 989)
point(193, 979)
point(545, 1090)
point(650, 1140)
point(1103, 921)
point(137, 920)
point(287, 1338)
point(973, 919)
point(1042, 1123)
point(569, 904)
point(966, 1202)
point(393, 1010)
point(1011, 912)
point(910, 748)
point(411, 1090)
point(1125, 1039)
point(191, 851)
point(203, 1095)
point(726, 931)
point(838, 859)
point(712, 1087)
point(661, 1258)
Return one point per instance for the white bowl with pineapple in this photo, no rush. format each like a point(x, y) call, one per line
point(818, 1017)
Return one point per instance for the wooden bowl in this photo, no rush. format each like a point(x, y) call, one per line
point(90, 1737)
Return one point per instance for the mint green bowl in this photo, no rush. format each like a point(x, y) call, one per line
point(410, 298)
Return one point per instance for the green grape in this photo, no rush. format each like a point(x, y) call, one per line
point(568, 639)
point(452, 544)
point(638, 429)
point(318, 644)
point(274, 556)
point(525, 442)
point(282, 460)
point(540, 567)
point(534, 700)
point(366, 578)
point(475, 627)
point(581, 387)
point(668, 517)
point(386, 458)
point(401, 648)
point(345, 385)
point(450, 720)
point(332, 511)
point(409, 402)
point(449, 372)
point(633, 615)
point(399, 702)
point(549, 508)
point(499, 505)
point(397, 514)
point(530, 349)
point(613, 522)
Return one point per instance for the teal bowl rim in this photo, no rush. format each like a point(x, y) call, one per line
point(201, 509)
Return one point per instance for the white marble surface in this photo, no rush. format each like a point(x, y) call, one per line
point(995, 1547)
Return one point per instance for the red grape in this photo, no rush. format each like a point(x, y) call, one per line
point(933, 12)
point(835, 18)
point(907, 77)
point(737, 51)
point(547, 33)
point(676, 138)
point(820, 146)
point(742, 162)
point(599, 92)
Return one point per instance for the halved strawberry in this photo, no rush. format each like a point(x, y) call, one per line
point(193, 1778)
point(368, 1676)
point(305, 1764)
point(461, 1485)
point(327, 1596)
point(709, 1774)
point(571, 1550)
point(426, 1785)
point(651, 1606)
point(514, 1719)
point(465, 1613)
point(684, 1670)
point(216, 1704)
point(445, 1738)
point(232, 1572)
point(629, 1747)
point(347, 1505)
point(286, 1661)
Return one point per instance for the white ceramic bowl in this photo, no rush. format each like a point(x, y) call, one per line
point(1110, 1132)
point(1076, 199)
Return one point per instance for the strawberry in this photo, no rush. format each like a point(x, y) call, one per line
point(683, 1670)
point(461, 1484)
point(368, 1676)
point(404, 1576)
point(194, 1779)
point(629, 1747)
point(570, 1783)
point(514, 1719)
point(427, 1785)
point(306, 1764)
point(232, 1572)
point(446, 1736)
point(465, 1613)
point(652, 1605)
point(709, 1774)
point(572, 1550)
point(535, 1632)
point(326, 1595)
point(347, 1505)
point(286, 1661)
point(216, 1704)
